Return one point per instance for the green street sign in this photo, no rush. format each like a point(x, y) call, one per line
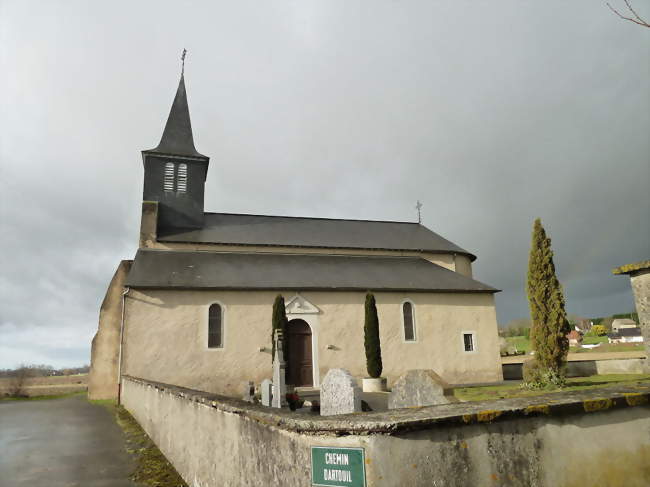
point(336, 467)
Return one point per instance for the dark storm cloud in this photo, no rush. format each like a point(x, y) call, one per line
point(491, 114)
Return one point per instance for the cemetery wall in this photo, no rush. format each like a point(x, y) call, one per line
point(589, 438)
point(169, 329)
point(585, 368)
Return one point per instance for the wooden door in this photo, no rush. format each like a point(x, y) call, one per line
point(299, 367)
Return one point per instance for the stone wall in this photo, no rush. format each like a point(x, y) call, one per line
point(595, 438)
point(585, 368)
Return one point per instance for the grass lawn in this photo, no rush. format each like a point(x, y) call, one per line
point(44, 398)
point(520, 343)
point(573, 384)
point(152, 468)
point(609, 347)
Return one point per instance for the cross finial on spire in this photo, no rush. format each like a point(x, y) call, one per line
point(418, 206)
point(183, 61)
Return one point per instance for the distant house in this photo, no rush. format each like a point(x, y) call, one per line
point(626, 335)
point(621, 323)
point(575, 338)
point(583, 325)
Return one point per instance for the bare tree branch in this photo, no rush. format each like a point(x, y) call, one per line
point(638, 20)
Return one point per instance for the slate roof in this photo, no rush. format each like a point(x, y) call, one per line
point(626, 332)
point(239, 229)
point(177, 137)
point(221, 270)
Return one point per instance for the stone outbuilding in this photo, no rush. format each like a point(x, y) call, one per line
point(194, 306)
point(639, 273)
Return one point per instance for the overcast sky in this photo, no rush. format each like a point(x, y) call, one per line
point(491, 113)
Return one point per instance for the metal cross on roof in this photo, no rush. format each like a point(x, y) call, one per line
point(418, 206)
point(183, 61)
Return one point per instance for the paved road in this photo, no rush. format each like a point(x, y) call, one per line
point(61, 443)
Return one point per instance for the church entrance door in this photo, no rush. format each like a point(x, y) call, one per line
point(299, 367)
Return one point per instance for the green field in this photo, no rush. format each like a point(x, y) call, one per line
point(520, 343)
point(573, 384)
point(523, 343)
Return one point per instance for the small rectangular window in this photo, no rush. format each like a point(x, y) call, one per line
point(168, 182)
point(468, 340)
point(181, 179)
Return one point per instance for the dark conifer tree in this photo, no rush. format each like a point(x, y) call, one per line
point(371, 338)
point(279, 322)
point(549, 322)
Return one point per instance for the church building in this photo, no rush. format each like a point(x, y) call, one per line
point(193, 308)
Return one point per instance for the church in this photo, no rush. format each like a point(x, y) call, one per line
point(194, 306)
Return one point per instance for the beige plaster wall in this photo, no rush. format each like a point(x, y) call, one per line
point(463, 265)
point(102, 379)
point(166, 336)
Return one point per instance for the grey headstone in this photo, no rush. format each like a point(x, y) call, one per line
point(267, 392)
point(249, 392)
point(420, 388)
point(279, 374)
point(339, 393)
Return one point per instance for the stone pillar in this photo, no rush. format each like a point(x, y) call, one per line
point(149, 224)
point(640, 281)
point(279, 373)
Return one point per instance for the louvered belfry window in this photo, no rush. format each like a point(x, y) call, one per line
point(181, 178)
point(168, 184)
point(175, 178)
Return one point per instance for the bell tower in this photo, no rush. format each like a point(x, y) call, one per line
point(174, 172)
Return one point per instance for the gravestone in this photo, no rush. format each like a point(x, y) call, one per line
point(421, 387)
point(249, 392)
point(267, 392)
point(339, 393)
point(279, 398)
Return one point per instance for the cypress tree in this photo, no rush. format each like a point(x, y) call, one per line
point(371, 338)
point(550, 325)
point(279, 322)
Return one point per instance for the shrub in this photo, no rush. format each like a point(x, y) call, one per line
point(371, 338)
point(536, 376)
point(598, 331)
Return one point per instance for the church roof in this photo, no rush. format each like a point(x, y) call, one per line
point(177, 137)
point(223, 270)
point(238, 229)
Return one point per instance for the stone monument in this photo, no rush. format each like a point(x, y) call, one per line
point(279, 373)
point(267, 392)
point(249, 392)
point(422, 387)
point(339, 393)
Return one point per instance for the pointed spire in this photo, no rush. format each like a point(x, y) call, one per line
point(177, 137)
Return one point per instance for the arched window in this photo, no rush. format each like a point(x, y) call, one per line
point(181, 178)
point(409, 321)
point(215, 326)
point(168, 181)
